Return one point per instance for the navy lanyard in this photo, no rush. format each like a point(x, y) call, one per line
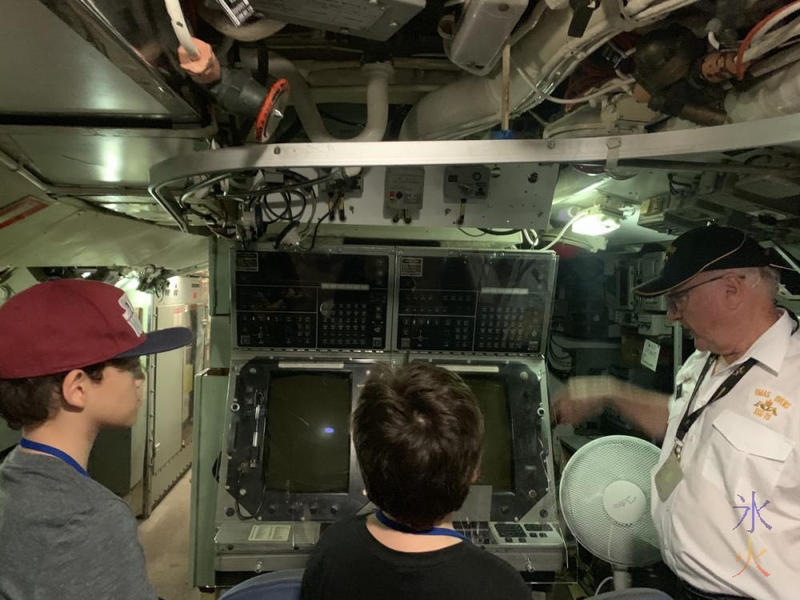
point(689, 418)
point(404, 529)
point(28, 444)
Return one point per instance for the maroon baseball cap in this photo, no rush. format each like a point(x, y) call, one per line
point(68, 324)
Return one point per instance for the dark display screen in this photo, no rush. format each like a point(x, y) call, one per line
point(497, 464)
point(308, 435)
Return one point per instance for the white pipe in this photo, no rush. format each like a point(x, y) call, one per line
point(539, 62)
point(377, 100)
point(179, 26)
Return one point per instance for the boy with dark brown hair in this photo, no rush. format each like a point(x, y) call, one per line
point(418, 436)
point(69, 367)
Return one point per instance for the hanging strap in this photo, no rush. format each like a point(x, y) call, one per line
point(443, 531)
point(44, 448)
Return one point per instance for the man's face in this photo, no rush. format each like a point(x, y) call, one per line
point(697, 305)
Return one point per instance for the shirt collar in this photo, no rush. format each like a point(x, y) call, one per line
point(770, 349)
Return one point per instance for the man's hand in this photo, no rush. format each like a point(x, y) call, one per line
point(583, 398)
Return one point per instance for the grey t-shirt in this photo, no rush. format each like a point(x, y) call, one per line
point(65, 536)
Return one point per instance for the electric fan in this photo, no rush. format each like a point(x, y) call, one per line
point(605, 500)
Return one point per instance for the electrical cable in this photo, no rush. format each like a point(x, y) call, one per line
point(602, 583)
point(569, 224)
point(252, 195)
point(319, 222)
point(764, 25)
point(531, 237)
point(771, 41)
point(472, 235)
point(615, 84)
point(495, 232)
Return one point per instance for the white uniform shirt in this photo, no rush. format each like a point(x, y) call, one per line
point(744, 447)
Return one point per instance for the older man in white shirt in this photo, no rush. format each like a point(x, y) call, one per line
point(726, 491)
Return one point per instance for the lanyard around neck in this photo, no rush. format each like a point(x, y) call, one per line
point(730, 382)
point(44, 448)
point(689, 419)
point(443, 531)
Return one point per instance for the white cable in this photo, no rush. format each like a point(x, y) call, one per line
point(531, 237)
point(772, 41)
point(791, 9)
point(602, 583)
point(615, 84)
point(712, 39)
point(180, 27)
point(569, 224)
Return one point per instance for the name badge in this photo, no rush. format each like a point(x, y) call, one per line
point(668, 476)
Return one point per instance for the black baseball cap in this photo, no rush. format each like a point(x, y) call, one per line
point(711, 248)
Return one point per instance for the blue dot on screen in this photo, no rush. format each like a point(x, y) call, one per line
point(328, 430)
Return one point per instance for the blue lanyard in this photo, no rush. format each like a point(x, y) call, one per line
point(404, 529)
point(53, 452)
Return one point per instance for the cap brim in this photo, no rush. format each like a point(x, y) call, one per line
point(662, 285)
point(161, 340)
point(659, 285)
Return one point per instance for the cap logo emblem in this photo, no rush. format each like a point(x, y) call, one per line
point(670, 252)
point(130, 316)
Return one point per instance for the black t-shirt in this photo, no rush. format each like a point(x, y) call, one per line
point(349, 564)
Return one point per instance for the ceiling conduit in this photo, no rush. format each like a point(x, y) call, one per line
point(377, 100)
point(540, 60)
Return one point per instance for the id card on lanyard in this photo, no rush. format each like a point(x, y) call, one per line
point(670, 474)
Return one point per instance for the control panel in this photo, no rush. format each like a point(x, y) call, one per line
point(524, 533)
point(292, 300)
point(473, 302)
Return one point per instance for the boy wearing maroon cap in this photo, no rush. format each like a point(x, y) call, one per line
point(69, 367)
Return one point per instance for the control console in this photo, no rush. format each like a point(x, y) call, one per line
point(473, 302)
point(311, 301)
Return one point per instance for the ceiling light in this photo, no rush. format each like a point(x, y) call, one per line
point(596, 222)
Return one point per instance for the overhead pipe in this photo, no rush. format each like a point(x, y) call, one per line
point(539, 62)
point(377, 100)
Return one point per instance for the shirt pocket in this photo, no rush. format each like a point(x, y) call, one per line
point(744, 457)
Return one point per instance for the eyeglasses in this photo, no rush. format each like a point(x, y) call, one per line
point(131, 365)
point(677, 301)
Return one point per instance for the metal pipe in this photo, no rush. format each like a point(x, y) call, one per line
point(169, 204)
point(687, 165)
point(377, 100)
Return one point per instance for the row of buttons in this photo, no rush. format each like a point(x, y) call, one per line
point(538, 527)
point(260, 339)
point(509, 530)
point(278, 318)
point(504, 310)
point(350, 342)
point(345, 327)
